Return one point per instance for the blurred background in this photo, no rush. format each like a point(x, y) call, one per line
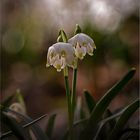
point(29, 27)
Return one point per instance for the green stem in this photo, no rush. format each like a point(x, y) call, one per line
point(64, 38)
point(73, 98)
point(69, 102)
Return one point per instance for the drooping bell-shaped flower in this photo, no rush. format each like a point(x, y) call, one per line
point(83, 44)
point(61, 55)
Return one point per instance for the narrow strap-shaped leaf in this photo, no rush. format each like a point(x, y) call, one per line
point(24, 126)
point(104, 121)
point(89, 101)
point(6, 103)
point(113, 121)
point(123, 119)
point(103, 103)
point(129, 133)
point(15, 127)
point(82, 114)
point(50, 125)
point(20, 98)
point(77, 123)
point(108, 126)
point(107, 98)
point(83, 121)
point(79, 111)
point(39, 134)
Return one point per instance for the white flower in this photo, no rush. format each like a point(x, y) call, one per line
point(83, 44)
point(61, 55)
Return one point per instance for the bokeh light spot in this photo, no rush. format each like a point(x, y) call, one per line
point(13, 41)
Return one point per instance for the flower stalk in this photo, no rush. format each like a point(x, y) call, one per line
point(73, 94)
point(65, 53)
point(68, 94)
point(74, 78)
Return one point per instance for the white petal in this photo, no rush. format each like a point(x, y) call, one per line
point(80, 52)
point(53, 59)
point(71, 61)
point(51, 54)
point(90, 49)
point(81, 38)
point(59, 63)
point(63, 63)
point(62, 46)
point(65, 50)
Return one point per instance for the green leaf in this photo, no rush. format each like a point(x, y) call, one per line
point(78, 125)
point(123, 119)
point(89, 101)
point(1, 107)
point(103, 103)
point(39, 134)
point(108, 114)
point(129, 133)
point(105, 121)
point(82, 114)
point(82, 121)
point(79, 111)
point(64, 36)
point(108, 126)
point(15, 127)
point(50, 125)
point(7, 102)
point(77, 29)
point(20, 98)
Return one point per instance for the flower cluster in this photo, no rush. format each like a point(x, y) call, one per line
point(63, 54)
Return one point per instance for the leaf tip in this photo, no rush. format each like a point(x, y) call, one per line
point(133, 69)
point(85, 90)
